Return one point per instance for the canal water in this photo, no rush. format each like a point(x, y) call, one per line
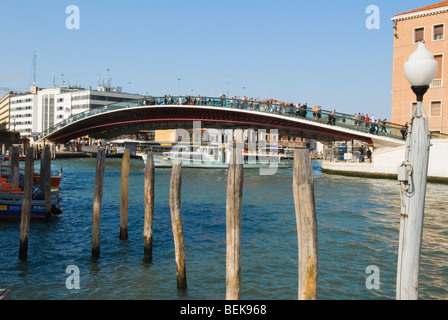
point(358, 227)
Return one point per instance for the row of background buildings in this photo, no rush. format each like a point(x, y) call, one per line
point(39, 109)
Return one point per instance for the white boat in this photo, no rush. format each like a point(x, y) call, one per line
point(216, 157)
point(119, 146)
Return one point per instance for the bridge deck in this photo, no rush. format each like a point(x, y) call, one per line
point(153, 113)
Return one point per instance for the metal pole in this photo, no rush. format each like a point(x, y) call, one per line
point(413, 182)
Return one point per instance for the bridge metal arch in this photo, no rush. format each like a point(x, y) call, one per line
point(113, 123)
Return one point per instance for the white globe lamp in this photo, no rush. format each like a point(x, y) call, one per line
point(420, 70)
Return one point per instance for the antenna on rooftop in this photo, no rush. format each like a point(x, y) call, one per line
point(54, 80)
point(34, 68)
point(108, 78)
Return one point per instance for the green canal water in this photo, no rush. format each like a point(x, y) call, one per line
point(358, 227)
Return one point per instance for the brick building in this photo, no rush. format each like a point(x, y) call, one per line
point(426, 24)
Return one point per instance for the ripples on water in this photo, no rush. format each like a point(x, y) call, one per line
point(358, 226)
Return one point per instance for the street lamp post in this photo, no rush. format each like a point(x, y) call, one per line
point(420, 70)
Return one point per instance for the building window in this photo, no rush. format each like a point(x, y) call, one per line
point(419, 35)
point(435, 109)
point(437, 82)
point(438, 32)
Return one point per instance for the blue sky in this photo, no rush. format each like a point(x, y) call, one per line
point(319, 52)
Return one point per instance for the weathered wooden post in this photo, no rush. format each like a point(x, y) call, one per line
point(97, 200)
point(149, 208)
point(176, 221)
point(420, 70)
point(14, 166)
point(26, 204)
point(45, 178)
point(42, 168)
point(124, 203)
point(303, 189)
point(53, 151)
point(235, 178)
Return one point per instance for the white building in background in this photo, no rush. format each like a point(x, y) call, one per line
point(40, 109)
point(22, 112)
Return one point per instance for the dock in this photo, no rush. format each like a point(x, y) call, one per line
point(386, 161)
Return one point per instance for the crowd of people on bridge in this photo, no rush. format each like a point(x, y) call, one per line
point(370, 123)
point(367, 122)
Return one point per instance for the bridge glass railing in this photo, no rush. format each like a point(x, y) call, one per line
point(324, 117)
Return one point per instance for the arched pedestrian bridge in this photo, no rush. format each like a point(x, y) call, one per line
point(178, 112)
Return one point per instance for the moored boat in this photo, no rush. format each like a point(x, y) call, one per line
point(215, 157)
point(55, 181)
point(11, 200)
point(21, 157)
point(11, 209)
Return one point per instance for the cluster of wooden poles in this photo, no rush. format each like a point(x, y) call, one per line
point(38, 149)
point(28, 180)
point(303, 189)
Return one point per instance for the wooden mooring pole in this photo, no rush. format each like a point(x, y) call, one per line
point(303, 188)
point(233, 226)
point(149, 208)
point(14, 166)
point(124, 203)
point(45, 178)
point(97, 200)
point(26, 204)
point(176, 221)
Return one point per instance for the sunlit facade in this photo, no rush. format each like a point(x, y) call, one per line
point(428, 24)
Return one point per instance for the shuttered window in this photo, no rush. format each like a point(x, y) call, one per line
point(436, 109)
point(438, 32)
point(439, 59)
point(419, 34)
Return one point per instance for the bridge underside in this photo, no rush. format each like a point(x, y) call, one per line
point(126, 121)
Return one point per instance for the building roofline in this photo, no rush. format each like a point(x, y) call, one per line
point(437, 8)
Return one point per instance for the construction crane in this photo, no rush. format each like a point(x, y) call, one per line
point(11, 90)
